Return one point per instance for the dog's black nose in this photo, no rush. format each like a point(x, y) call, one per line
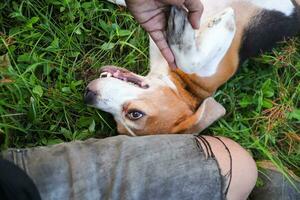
point(90, 97)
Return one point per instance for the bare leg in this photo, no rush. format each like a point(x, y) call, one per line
point(242, 167)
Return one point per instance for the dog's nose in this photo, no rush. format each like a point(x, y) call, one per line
point(90, 96)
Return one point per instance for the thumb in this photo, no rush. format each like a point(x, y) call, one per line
point(195, 9)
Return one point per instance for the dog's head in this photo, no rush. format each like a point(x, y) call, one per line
point(159, 103)
point(148, 105)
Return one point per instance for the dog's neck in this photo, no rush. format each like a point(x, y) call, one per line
point(191, 92)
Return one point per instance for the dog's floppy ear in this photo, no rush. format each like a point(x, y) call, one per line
point(200, 52)
point(208, 112)
point(215, 40)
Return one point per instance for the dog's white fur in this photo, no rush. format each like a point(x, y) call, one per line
point(285, 7)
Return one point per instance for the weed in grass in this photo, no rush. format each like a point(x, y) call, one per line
point(56, 47)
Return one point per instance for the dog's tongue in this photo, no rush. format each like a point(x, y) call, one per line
point(116, 74)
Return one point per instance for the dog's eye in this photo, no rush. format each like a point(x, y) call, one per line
point(134, 115)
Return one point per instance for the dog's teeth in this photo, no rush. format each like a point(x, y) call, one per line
point(117, 74)
point(103, 74)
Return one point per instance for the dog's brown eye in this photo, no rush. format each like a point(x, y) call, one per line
point(134, 115)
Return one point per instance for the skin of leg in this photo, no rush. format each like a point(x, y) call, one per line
point(244, 170)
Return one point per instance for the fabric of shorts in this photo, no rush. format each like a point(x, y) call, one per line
point(134, 168)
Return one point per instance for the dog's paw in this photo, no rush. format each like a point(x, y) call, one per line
point(200, 51)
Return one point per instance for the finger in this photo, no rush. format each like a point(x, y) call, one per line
point(161, 42)
point(195, 9)
point(173, 2)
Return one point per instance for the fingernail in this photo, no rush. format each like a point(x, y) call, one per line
point(197, 25)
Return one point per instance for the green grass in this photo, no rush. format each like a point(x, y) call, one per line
point(56, 47)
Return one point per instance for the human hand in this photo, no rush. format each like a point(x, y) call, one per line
point(152, 16)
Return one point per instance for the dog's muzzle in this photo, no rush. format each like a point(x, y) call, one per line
point(90, 97)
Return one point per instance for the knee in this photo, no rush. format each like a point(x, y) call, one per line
point(244, 171)
point(243, 167)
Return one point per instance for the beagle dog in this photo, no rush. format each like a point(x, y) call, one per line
point(179, 101)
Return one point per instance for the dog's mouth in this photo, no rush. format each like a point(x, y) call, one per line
point(123, 75)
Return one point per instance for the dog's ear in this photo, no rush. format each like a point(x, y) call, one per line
point(215, 39)
point(208, 112)
point(201, 51)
